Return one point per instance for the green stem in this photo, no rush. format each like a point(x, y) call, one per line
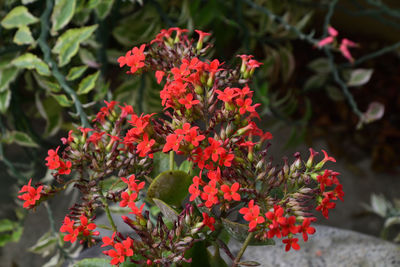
point(243, 249)
point(171, 160)
point(42, 41)
point(107, 209)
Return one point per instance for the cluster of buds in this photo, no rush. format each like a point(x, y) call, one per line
point(212, 125)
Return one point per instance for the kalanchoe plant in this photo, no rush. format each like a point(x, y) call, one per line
point(209, 122)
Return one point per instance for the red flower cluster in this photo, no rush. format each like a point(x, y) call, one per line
point(83, 231)
point(55, 163)
point(120, 249)
point(129, 197)
point(134, 59)
point(31, 196)
point(277, 224)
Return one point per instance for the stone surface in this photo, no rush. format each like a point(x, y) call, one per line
point(327, 247)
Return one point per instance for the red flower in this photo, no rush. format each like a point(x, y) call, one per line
point(338, 192)
point(213, 66)
point(209, 194)
point(276, 215)
point(122, 250)
point(208, 221)
point(252, 64)
point(31, 196)
point(132, 183)
point(68, 227)
point(159, 75)
point(327, 158)
point(325, 180)
point(126, 110)
point(68, 140)
point(133, 58)
point(202, 35)
point(144, 147)
point(127, 199)
point(95, 138)
point(190, 134)
point(65, 168)
point(53, 160)
point(288, 226)
point(245, 105)
point(86, 228)
point(227, 95)
point(325, 206)
point(214, 150)
point(251, 215)
point(188, 101)
point(194, 188)
point(305, 228)
point(230, 193)
point(173, 142)
point(225, 159)
point(291, 243)
point(215, 175)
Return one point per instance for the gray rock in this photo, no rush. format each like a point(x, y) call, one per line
point(327, 247)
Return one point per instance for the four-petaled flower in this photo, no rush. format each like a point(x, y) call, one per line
point(208, 221)
point(31, 196)
point(230, 193)
point(251, 215)
point(291, 243)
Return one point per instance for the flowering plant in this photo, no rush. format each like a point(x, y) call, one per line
point(208, 123)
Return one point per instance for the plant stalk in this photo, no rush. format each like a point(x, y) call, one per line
point(243, 249)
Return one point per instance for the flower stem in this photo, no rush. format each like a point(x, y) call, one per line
point(171, 160)
point(107, 209)
point(242, 249)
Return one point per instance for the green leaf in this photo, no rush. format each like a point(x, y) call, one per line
point(6, 225)
point(240, 232)
point(17, 17)
point(171, 187)
point(334, 93)
point(16, 234)
point(93, 262)
point(169, 213)
point(7, 76)
point(62, 14)
point(249, 263)
point(23, 139)
point(315, 82)
point(62, 100)
point(28, 1)
point(374, 112)
point(320, 65)
point(5, 98)
point(51, 112)
point(76, 72)
point(160, 162)
point(360, 77)
point(199, 255)
point(45, 244)
point(88, 83)
point(102, 7)
point(379, 205)
point(4, 239)
point(31, 61)
point(186, 166)
point(50, 85)
point(23, 36)
point(68, 43)
point(392, 221)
